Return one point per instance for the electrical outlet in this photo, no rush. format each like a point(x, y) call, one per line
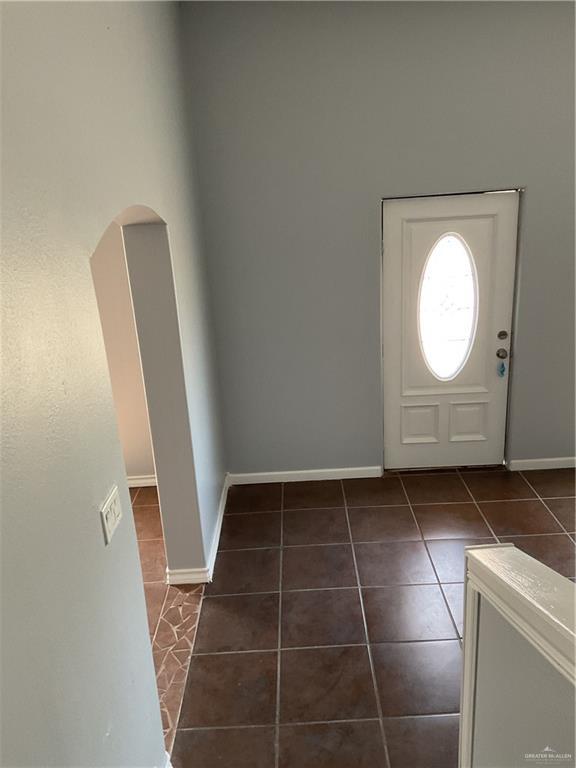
point(111, 513)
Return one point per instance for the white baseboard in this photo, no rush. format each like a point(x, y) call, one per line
point(187, 576)
point(344, 473)
point(203, 575)
point(141, 481)
point(563, 462)
point(217, 530)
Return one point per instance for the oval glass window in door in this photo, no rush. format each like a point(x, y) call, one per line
point(448, 306)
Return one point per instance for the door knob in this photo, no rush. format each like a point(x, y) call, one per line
point(502, 353)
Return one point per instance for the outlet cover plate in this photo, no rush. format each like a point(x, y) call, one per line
point(111, 513)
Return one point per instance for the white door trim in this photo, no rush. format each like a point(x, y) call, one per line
point(511, 325)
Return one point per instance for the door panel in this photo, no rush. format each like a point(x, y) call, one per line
point(451, 258)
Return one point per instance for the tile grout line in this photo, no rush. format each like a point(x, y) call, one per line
point(268, 725)
point(478, 507)
point(522, 475)
point(229, 515)
point(439, 583)
point(329, 589)
point(367, 541)
point(274, 649)
point(279, 642)
point(289, 648)
point(365, 622)
point(300, 723)
point(533, 535)
point(304, 723)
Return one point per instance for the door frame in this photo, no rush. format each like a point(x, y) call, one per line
point(514, 325)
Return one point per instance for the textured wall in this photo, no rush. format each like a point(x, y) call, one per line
point(92, 122)
point(306, 115)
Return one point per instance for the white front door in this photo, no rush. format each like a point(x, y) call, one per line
point(448, 289)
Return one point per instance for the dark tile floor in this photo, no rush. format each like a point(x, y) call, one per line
point(172, 611)
point(330, 635)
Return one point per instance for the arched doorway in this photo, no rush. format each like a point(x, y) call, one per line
point(135, 289)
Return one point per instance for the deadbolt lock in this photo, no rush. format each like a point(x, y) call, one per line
point(502, 334)
point(502, 353)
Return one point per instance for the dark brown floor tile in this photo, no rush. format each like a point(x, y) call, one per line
point(261, 529)
point(383, 524)
point(448, 556)
point(557, 552)
point(429, 489)
point(152, 559)
point(326, 617)
point(224, 748)
point(423, 742)
point(418, 678)
point(374, 492)
point(455, 597)
point(314, 494)
point(519, 517)
point(326, 684)
point(332, 745)
point(316, 526)
point(498, 486)
point(261, 497)
point(148, 523)
point(238, 623)
point(450, 521)
point(397, 614)
point(146, 497)
point(317, 567)
point(565, 511)
point(552, 482)
point(403, 562)
point(256, 570)
point(230, 689)
point(154, 594)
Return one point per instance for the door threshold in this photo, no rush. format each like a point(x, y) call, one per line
point(448, 469)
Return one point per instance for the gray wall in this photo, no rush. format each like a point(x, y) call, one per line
point(305, 116)
point(92, 123)
point(517, 686)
